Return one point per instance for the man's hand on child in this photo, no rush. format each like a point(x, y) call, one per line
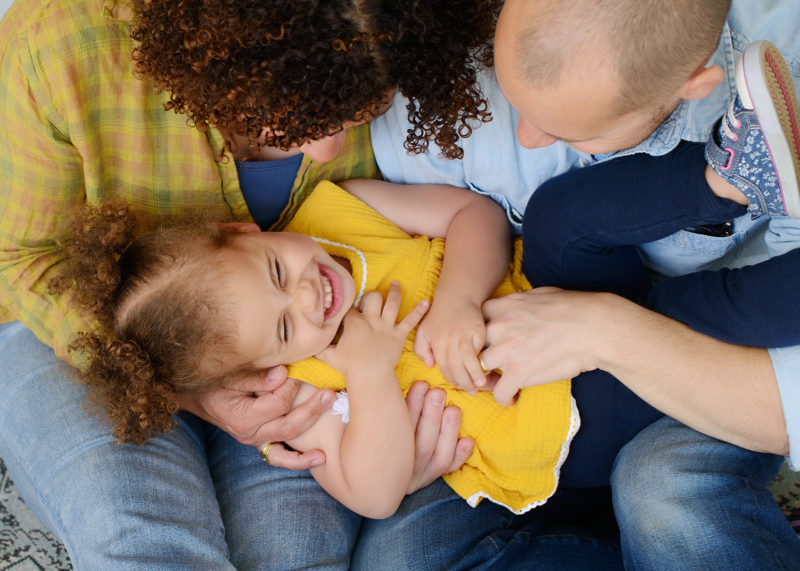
point(257, 410)
point(451, 335)
point(371, 338)
point(546, 334)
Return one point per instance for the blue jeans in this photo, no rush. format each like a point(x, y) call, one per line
point(190, 499)
point(194, 498)
point(685, 500)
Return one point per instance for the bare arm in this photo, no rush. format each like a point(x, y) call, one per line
point(370, 461)
point(476, 259)
point(724, 390)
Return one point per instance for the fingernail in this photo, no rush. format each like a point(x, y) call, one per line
point(437, 398)
point(317, 462)
point(327, 398)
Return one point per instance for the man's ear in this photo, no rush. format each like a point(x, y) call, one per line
point(239, 227)
point(702, 82)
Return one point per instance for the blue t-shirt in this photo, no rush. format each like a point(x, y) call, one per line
point(266, 187)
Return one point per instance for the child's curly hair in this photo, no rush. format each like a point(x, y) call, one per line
point(160, 320)
point(304, 68)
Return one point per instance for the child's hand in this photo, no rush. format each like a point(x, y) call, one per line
point(452, 335)
point(371, 341)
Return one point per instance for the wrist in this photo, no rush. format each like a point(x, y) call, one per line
point(632, 332)
point(372, 373)
point(612, 320)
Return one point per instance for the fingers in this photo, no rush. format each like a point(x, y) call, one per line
point(371, 303)
point(388, 309)
point(280, 457)
point(415, 398)
point(491, 381)
point(474, 370)
point(253, 413)
point(392, 304)
point(278, 374)
point(505, 391)
point(429, 424)
point(423, 349)
point(413, 318)
point(464, 449)
point(493, 307)
point(448, 453)
point(274, 378)
point(469, 350)
point(296, 421)
point(444, 454)
point(460, 365)
point(503, 387)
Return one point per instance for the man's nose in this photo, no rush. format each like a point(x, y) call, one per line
point(530, 137)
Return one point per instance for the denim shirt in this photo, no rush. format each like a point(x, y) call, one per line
point(495, 165)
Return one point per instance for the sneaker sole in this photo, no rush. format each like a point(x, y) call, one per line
point(761, 77)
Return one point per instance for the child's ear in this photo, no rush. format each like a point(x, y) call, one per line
point(239, 227)
point(702, 82)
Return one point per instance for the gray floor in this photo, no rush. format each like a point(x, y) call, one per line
point(25, 544)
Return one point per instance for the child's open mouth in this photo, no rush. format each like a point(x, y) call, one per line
point(331, 291)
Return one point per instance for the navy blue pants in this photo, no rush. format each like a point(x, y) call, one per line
point(579, 233)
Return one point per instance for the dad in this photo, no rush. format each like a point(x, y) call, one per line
point(612, 80)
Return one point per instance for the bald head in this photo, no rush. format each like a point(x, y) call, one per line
point(650, 46)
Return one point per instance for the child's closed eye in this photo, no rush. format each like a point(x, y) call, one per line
point(279, 273)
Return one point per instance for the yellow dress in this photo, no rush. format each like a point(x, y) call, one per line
point(519, 449)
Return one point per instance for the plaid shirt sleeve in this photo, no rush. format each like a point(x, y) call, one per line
point(41, 176)
point(77, 126)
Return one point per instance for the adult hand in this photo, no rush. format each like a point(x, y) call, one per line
point(543, 335)
point(257, 410)
point(438, 449)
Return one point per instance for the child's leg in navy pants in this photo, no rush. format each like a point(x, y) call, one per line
point(580, 230)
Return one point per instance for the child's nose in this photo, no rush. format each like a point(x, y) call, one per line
point(306, 297)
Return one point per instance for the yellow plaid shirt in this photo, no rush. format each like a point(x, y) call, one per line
point(76, 125)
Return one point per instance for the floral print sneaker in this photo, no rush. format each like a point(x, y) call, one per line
point(755, 146)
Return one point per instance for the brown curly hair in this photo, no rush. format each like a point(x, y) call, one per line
point(161, 322)
point(305, 68)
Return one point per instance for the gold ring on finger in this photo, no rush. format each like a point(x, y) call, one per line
point(264, 451)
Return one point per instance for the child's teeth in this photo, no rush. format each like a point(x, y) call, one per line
point(328, 291)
